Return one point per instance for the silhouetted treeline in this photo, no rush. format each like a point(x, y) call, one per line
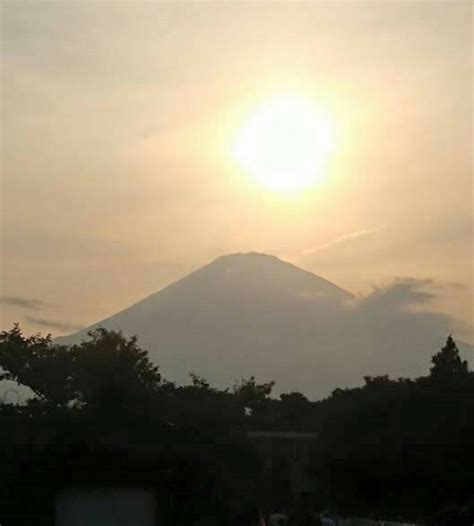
point(103, 414)
point(402, 447)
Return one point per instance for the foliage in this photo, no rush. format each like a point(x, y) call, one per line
point(106, 369)
point(34, 362)
point(400, 448)
point(447, 364)
point(102, 411)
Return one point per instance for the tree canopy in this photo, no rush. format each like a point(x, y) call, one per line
point(391, 447)
point(448, 364)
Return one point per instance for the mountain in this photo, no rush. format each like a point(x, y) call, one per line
point(253, 314)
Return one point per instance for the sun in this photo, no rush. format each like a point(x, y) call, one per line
point(285, 144)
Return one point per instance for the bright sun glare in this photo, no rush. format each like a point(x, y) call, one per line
point(285, 144)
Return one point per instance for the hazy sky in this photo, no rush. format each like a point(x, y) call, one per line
point(118, 121)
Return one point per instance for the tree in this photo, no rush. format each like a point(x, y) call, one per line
point(447, 363)
point(111, 369)
point(250, 393)
point(293, 412)
point(102, 404)
point(400, 448)
point(106, 370)
point(34, 362)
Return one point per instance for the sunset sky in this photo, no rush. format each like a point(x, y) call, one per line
point(121, 167)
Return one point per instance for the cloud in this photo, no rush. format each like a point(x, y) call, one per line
point(24, 303)
point(401, 293)
point(352, 236)
point(54, 324)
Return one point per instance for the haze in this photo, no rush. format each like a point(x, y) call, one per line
point(119, 119)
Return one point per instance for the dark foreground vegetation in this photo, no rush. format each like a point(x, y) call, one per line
point(103, 415)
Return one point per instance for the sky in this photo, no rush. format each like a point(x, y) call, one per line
point(118, 122)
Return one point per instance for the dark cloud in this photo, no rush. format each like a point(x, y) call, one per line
point(23, 303)
point(53, 324)
point(401, 293)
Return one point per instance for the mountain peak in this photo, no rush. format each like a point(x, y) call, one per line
point(247, 258)
point(266, 273)
point(248, 255)
point(255, 314)
point(234, 281)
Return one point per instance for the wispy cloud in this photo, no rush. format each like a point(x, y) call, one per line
point(24, 303)
point(351, 236)
point(54, 324)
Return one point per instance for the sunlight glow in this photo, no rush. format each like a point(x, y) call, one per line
point(285, 144)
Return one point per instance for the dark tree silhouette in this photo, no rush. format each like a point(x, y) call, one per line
point(102, 412)
point(448, 363)
point(111, 370)
point(106, 369)
point(251, 393)
point(34, 362)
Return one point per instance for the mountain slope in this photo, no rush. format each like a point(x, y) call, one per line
point(253, 314)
